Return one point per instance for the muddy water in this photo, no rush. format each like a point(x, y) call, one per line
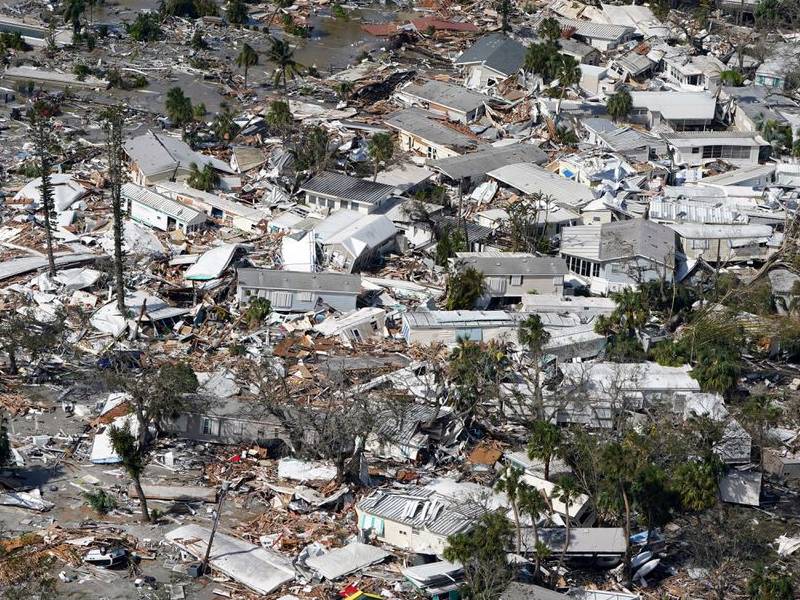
point(334, 44)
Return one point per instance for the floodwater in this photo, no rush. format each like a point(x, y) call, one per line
point(333, 45)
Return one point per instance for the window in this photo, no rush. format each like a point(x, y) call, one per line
point(374, 325)
point(248, 292)
point(206, 426)
point(305, 296)
point(432, 152)
point(696, 150)
point(699, 244)
point(356, 335)
point(516, 279)
point(740, 152)
point(281, 299)
point(596, 270)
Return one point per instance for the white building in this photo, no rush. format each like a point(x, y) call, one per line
point(158, 211)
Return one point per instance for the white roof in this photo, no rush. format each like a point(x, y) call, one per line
point(716, 231)
point(162, 204)
point(646, 376)
point(368, 232)
point(529, 178)
point(547, 488)
point(258, 568)
point(677, 105)
point(582, 241)
point(66, 191)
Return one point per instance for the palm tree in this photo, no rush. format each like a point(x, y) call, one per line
point(533, 504)
point(126, 447)
point(246, 59)
point(179, 107)
point(568, 71)
point(620, 465)
point(73, 10)
point(631, 310)
point(619, 105)
point(205, 179)
point(533, 336)
point(464, 289)
point(511, 484)
point(380, 149)
point(549, 29)
point(566, 491)
point(544, 444)
point(282, 54)
point(279, 117)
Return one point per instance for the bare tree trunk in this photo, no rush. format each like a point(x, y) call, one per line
point(140, 492)
point(12, 362)
point(114, 143)
point(628, 573)
point(537, 560)
point(517, 525)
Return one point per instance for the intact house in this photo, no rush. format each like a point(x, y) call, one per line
point(290, 291)
point(448, 326)
point(602, 36)
point(682, 111)
point(228, 212)
point(230, 421)
point(157, 157)
point(620, 254)
point(569, 337)
point(161, 212)
point(452, 101)
point(328, 190)
point(725, 243)
point(511, 275)
point(695, 148)
point(421, 131)
point(490, 60)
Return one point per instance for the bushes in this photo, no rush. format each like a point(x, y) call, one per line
point(146, 28)
point(101, 501)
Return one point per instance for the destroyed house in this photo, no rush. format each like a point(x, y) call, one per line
point(725, 242)
point(415, 518)
point(411, 433)
point(695, 148)
point(155, 210)
point(511, 275)
point(631, 143)
point(360, 243)
point(227, 422)
point(619, 254)
point(492, 58)
point(423, 132)
point(229, 212)
point(475, 165)
point(452, 101)
point(532, 179)
point(439, 580)
point(292, 291)
point(158, 157)
point(339, 191)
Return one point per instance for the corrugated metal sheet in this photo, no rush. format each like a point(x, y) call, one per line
point(171, 208)
point(349, 188)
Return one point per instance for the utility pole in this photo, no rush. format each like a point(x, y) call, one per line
point(222, 493)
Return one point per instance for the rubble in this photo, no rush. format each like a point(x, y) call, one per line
point(385, 278)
